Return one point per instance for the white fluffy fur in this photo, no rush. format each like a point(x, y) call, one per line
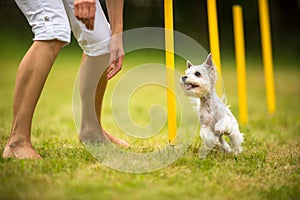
point(215, 117)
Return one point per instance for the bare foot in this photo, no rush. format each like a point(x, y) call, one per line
point(115, 140)
point(24, 152)
point(94, 137)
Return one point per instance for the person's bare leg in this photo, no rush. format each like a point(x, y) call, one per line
point(94, 91)
point(98, 107)
point(91, 70)
point(31, 76)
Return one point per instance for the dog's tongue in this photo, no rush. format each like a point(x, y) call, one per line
point(187, 86)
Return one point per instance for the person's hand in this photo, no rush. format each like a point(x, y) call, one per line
point(84, 11)
point(116, 55)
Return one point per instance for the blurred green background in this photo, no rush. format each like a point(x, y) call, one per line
point(190, 18)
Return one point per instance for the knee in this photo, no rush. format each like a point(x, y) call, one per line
point(52, 46)
point(55, 46)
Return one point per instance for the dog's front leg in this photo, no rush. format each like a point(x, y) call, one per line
point(222, 128)
point(209, 141)
point(236, 139)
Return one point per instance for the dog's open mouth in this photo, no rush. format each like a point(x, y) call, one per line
point(188, 86)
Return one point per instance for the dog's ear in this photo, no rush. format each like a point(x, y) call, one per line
point(209, 61)
point(211, 67)
point(188, 64)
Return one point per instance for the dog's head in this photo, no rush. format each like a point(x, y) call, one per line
point(199, 80)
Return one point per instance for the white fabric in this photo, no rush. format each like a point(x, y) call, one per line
point(54, 19)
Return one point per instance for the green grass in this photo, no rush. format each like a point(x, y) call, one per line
point(268, 168)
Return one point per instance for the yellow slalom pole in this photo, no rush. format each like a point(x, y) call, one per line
point(169, 46)
point(214, 40)
point(267, 54)
point(240, 62)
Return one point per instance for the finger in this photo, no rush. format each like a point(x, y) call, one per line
point(85, 10)
point(110, 68)
point(113, 73)
point(120, 62)
point(92, 10)
point(112, 62)
point(76, 10)
point(85, 22)
point(80, 11)
point(117, 67)
point(90, 24)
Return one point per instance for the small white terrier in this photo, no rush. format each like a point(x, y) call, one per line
point(215, 117)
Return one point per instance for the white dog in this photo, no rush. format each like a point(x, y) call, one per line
point(215, 117)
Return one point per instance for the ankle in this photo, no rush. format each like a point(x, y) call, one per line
point(18, 142)
point(90, 129)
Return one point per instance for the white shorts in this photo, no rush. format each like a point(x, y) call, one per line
point(51, 19)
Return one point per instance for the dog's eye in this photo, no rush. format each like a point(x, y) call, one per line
point(197, 74)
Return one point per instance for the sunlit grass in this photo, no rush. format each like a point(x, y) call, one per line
point(268, 168)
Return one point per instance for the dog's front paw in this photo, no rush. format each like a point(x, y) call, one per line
point(224, 126)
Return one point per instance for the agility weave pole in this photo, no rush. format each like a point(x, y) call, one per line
point(240, 53)
point(169, 53)
point(267, 54)
point(214, 40)
point(240, 62)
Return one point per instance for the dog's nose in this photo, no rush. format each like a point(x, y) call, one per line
point(184, 78)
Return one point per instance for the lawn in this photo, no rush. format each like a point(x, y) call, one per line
point(268, 168)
